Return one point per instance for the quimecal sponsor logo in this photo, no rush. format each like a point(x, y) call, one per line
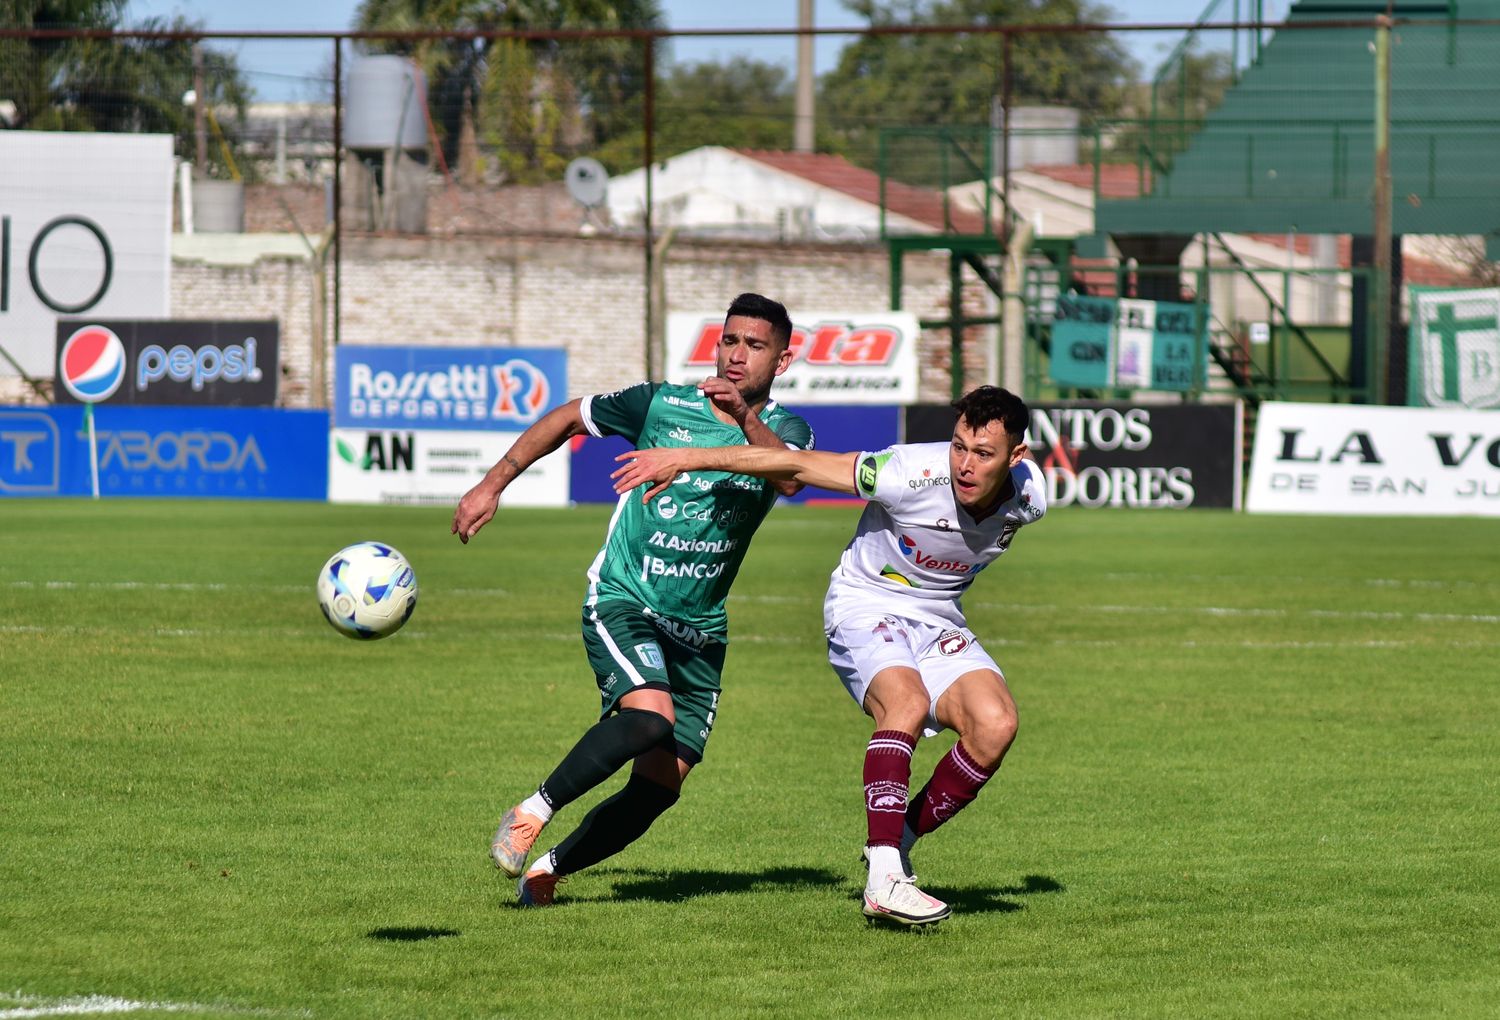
point(91, 365)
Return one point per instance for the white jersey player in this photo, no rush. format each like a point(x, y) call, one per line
point(937, 514)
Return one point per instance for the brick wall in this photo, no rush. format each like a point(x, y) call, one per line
point(582, 293)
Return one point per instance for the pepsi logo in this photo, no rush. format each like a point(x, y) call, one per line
point(92, 364)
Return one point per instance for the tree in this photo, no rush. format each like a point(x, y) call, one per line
point(119, 85)
point(744, 103)
point(536, 102)
point(889, 81)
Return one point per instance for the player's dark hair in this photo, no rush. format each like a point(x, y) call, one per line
point(979, 407)
point(755, 306)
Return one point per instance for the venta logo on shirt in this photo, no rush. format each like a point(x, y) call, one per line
point(910, 551)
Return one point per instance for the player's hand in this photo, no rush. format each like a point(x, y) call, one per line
point(474, 511)
point(726, 396)
point(658, 466)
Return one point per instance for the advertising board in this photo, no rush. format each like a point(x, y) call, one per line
point(837, 358)
point(167, 361)
point(459, 388)
point(85, 228)
point(241, 453)
point(834, 428)
point(1170, 456)
point(434, 467)
point(1352, 459)
point(1100, 343)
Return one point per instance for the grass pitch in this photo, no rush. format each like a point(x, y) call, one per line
point(1257, 776)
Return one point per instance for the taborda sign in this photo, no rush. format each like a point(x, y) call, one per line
point(167, 362)
point(1352, 459)
point(836, 358)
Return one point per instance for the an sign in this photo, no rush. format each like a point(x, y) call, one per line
point(1454, 351)
point(242, 453)
point(459, 388)
point(1170, 456)
point(836, 358)
point(434, 467)
point(1104, 343)
point(169, 361)
point(1348, 459)
point(85, 229)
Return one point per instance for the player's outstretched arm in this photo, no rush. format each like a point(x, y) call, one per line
point(660, 465)
point(546, 434)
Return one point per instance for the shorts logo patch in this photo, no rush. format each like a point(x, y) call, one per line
point(886, 795)
point(649, 654)
point(951, 642)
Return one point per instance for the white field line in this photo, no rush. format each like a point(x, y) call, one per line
point(18, 1006)
point(1243, 611)
point(1367, 582)
point(203, 586)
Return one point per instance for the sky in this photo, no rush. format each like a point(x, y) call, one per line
point(284, 70)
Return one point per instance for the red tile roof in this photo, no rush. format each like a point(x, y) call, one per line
point(1414, 269)
point(924, 205)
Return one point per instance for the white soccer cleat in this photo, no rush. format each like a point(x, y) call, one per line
point(898, 899)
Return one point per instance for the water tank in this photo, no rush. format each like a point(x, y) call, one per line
point(1043, 136)
point(387, 105)
point(218, 206)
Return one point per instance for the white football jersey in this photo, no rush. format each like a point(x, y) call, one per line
point(916, 551)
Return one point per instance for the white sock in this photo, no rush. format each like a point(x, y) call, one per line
point(535, 805)
point(543, 863)
point(885, 861)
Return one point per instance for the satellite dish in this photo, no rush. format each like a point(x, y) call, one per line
point(587, 181)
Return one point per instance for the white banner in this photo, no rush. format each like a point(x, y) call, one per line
point(1352, 459)
point(85, 228)
point(838, 358)
point(434, 467)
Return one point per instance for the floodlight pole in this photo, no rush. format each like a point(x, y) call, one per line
point(1380, 315)
point(649, 127)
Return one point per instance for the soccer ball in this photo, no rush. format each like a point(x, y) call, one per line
point(367, 590)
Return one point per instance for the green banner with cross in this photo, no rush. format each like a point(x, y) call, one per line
point(1453, 358)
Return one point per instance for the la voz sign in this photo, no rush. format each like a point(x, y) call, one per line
point(168, 362)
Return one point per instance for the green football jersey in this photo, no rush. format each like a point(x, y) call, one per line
point(678, 554)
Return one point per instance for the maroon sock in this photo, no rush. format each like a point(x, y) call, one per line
point(955, 781)
point(887, 778)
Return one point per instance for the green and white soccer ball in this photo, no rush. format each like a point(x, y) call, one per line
point(367, 590)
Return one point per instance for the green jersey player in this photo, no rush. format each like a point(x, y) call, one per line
point(654, 625)
point(936, 515)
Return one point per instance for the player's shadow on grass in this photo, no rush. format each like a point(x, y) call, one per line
point(986, 899)
point(409, 934)
point(671, 886)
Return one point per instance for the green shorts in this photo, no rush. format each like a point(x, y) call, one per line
point(631, 647)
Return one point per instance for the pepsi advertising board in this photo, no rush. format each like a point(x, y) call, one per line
point(459, 388)
point(167, 361)
point(237, 453)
